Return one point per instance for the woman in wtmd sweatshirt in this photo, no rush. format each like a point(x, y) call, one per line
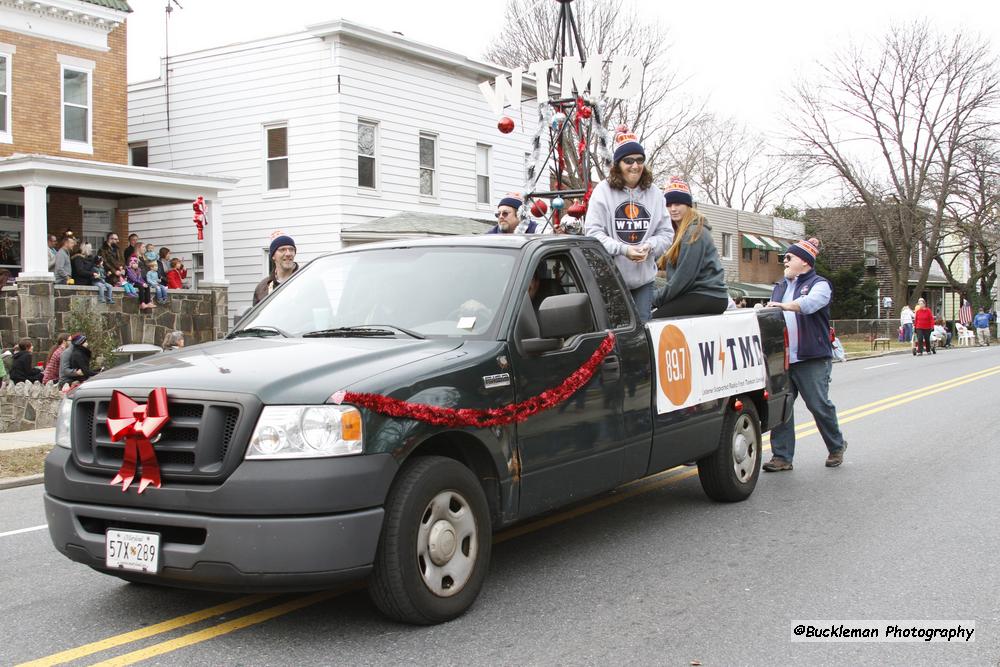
point(627, 215)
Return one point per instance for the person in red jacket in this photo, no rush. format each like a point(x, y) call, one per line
point(176, 274)
point(923, 324)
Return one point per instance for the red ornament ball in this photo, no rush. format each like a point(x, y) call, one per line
point(539, 208)
point(506, 125)
point(586, 112)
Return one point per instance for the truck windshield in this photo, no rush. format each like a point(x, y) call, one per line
point(424, 291)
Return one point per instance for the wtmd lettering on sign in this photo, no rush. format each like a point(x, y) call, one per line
point(624, 80)
point(698, 361)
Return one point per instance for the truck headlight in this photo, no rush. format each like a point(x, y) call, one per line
point(306, 431)
point(63, 421)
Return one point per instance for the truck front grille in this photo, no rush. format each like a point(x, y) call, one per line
point(192, 446)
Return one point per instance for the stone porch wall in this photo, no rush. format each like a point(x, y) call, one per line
point(37, 310)
point(28, 405)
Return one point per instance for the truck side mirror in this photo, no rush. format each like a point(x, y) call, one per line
point(560, 316)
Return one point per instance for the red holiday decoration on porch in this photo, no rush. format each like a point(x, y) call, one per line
point(137, 424)
point(199, 216)
point(467, 417)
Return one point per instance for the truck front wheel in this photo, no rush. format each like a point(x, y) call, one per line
point(435, 545)
point(730, 473)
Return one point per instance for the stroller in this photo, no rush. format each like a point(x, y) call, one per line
point(936, 341)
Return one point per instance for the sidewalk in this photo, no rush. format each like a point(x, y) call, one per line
point(22, 439)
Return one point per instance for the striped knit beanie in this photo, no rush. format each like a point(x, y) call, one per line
point(805, 250)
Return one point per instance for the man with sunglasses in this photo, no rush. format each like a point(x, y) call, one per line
point(805, 297)
point(507, 220)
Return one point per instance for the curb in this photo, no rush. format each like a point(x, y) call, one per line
point(14, 482)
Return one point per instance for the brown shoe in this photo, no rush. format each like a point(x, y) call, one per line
point(777, 464)
point(836, 458)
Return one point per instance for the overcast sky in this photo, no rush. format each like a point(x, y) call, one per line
point(740, 55)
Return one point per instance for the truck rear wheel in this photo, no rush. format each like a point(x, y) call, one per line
point(730, 473)
point(435, 545)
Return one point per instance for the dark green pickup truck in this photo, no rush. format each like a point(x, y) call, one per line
point(272, 479)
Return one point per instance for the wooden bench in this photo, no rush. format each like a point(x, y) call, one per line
point(884, 342)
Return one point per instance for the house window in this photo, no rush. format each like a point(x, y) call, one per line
point(727, 246)
point(5, 79)
point(367, 138)
point(76, 100)
point(871, 246)
point(763, 256)
point(96, 226)
point(483, 174)
point(277, 157)
point(747, 254)
point(428, 164)
point(138, 154)
point(197, 268)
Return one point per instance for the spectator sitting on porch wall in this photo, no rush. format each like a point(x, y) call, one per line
point(134, 246)
point(176, 274)
point(282, 253)
point(113, 264)
point(83, 265)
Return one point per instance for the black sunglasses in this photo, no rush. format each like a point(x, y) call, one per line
point(786, 258)
point(633, 160)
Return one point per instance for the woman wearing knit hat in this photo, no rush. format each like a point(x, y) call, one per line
point(696, 283)
point(626, 214)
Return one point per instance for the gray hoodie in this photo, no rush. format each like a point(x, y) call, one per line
point(698, 270)
point(630, 217)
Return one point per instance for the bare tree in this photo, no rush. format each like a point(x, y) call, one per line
point(971, 238)
point(729, 165)
point(607, 27)
point(889, 125)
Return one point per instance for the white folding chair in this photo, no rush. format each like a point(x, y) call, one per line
point(965, 335)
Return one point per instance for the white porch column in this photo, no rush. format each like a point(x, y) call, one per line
point(35, 263)
point(215, 267)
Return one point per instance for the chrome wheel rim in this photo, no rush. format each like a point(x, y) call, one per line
point(447, 543)
point(744, 448)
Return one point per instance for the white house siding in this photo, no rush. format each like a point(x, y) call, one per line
point(220, 99)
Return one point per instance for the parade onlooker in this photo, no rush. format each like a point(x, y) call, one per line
point(133, 246)
point(923, 324)
point(982, 324)
point(176, 274)
point(507, 220)
point(153, 279)
point(113, 264)
point(906, 321)
point(136, 277)
point(804, 296)
point(64, 263)
point(626, 214)
point(83, 265)
point(174, 340)
point(942, 332)
point(51, 372)
point(163, 264)
point(22, 370)
point(282, 253)
point(101, 281)
point(696, 283)
point(53, 249)
point(75, 363)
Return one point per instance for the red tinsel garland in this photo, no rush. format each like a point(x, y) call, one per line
point(508, 414)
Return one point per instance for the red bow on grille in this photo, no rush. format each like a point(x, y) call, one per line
point(137, 424)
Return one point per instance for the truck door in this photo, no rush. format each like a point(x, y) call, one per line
point(574, 449)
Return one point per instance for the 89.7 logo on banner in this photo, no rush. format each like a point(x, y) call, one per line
point(673, 365)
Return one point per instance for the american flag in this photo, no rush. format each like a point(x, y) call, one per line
point(965, 313)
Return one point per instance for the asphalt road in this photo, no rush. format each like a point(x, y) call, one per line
point(653, 574)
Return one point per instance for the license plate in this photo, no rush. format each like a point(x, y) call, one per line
point(130, 550)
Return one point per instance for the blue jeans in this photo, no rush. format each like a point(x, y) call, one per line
point(811, 379)
point(907, 332)
point(161, 292)
point(643, 297)
point(104, 292)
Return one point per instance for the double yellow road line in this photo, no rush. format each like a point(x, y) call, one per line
point(267, 613)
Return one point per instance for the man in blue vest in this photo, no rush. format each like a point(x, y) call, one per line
point(805, 297)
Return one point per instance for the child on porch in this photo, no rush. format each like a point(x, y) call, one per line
point(137, 277)
point(176, 274)
point(101, 281)
point(153, 278)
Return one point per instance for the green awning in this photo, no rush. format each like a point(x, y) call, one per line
point(751, 241)
point(771, 242)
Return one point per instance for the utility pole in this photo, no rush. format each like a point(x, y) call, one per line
point(166, 55)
